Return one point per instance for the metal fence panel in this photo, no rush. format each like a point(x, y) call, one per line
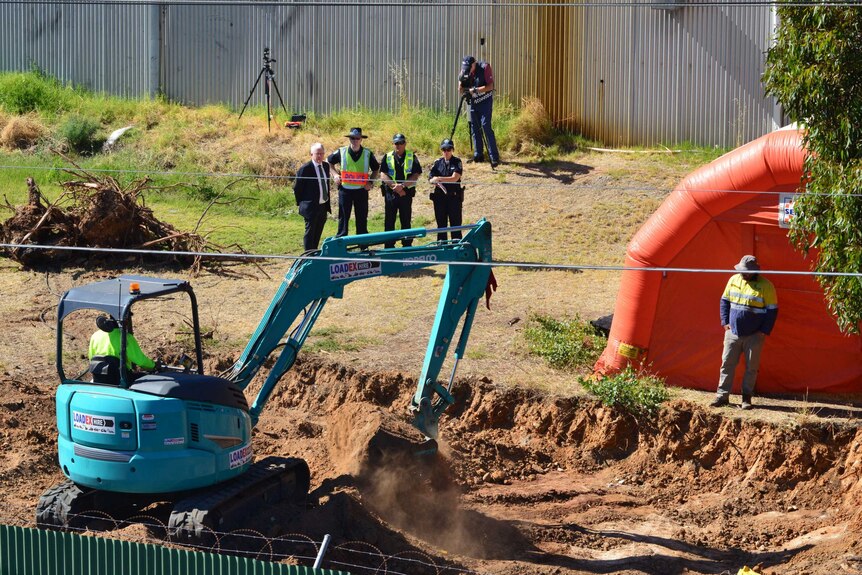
point(25, 551)
point(626, 74)
point(689, 73)
point(102, 47)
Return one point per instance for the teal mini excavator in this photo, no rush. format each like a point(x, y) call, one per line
point(127, 440)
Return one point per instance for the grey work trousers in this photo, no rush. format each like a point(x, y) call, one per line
point(735, 346)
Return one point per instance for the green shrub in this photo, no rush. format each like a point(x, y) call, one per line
point(565, 344)
point(636, 392)
point(31, 92)
point(80, 134)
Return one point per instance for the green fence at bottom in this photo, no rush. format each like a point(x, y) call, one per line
point(26, 551)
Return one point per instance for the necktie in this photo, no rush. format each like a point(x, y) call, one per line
point(321, 182)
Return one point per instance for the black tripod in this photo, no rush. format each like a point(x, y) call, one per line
point(466, 97)
point(269, 78)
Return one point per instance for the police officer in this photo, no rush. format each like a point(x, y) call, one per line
point(355, 163)
point(448, 194)
point(477, 79)
point(398, 175)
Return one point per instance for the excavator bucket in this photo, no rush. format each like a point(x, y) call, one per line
point(388, 442)
point(425, 420)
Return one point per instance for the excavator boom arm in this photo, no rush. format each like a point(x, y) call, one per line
point(311, 282)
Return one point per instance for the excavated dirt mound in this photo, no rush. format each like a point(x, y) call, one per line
point(525, 482)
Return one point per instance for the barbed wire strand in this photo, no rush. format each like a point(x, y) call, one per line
point(409, 263)
point(263, 542)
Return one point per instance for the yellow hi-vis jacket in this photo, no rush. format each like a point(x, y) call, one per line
point(108, 345)
point(749, 306)
point(354, 175)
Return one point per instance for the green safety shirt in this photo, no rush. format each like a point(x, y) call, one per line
point(108, 344)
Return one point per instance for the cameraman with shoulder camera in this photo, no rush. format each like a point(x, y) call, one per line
point(476, 80)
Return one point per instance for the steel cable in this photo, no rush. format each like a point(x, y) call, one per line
point(498, 264)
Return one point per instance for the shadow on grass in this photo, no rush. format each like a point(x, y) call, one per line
point(562, 171)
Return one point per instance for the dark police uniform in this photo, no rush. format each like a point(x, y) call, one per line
point(481, 109)
point(448, 198)
point(393, 204)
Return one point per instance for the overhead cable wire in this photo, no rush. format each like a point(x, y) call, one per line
point(554, 181)
point(408, 263)
point(669, 4)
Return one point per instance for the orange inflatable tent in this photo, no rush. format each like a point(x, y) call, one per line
point(717, 214)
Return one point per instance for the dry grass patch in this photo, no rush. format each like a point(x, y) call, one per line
point(21, 132)
point(532, 128)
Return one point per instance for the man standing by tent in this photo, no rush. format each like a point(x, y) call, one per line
point(749, 307)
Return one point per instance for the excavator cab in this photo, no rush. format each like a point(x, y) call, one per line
point(169, 430)
point(113, 301)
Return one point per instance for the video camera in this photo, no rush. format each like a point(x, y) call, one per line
point(267, 61)
point(464, 75)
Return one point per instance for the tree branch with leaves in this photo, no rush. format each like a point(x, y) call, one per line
point(814, 69)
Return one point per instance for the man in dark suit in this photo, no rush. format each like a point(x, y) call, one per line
point(311, 189)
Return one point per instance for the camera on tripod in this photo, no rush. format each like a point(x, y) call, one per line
point(464, 76)
point(267, 61)
point(268, 76)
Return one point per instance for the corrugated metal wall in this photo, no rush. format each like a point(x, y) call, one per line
point(687, 74)
point(101, 46)
point(622, 74)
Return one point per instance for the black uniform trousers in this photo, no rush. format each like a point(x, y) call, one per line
point(402, 207)
point(447, 212)
point(349, 200)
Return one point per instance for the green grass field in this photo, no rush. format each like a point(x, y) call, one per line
point(198, 156)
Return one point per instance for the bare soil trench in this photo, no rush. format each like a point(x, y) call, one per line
point(528, 483)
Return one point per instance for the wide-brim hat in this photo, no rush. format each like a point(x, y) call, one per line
point(355, 133)
point(747, 264)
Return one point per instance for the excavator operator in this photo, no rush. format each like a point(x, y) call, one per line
point(104, 352)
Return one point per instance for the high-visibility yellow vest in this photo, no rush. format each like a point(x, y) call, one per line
point(108, 345)
point(408, 165)
point(354, 175)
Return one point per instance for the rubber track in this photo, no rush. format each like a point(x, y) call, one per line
point(193, 516)
point(55, 505)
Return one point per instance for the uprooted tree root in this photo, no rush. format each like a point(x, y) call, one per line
point(96, 212)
